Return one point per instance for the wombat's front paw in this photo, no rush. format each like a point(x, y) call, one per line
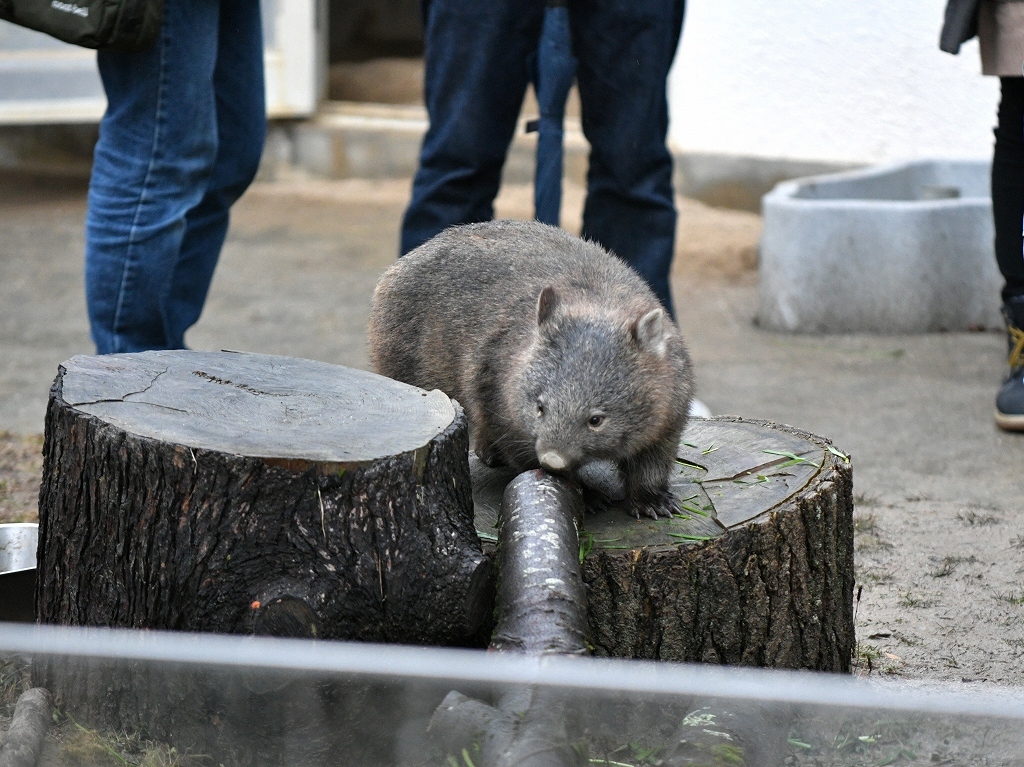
point(656, 506)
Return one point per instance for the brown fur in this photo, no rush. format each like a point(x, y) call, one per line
point(508, 317)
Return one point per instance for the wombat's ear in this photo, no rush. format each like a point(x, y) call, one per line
point(649, 331)
point(547, 302)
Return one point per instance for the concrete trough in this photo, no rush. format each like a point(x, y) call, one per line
point(897, 249)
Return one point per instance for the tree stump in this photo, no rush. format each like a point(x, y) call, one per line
point(244, 493)
point(758, 570)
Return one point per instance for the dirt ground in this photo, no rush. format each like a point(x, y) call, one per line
point(21, 467)
point(940, 532)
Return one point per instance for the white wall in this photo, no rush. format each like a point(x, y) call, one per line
point(857, 81)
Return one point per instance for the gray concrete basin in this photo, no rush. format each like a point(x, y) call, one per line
point(894, 249)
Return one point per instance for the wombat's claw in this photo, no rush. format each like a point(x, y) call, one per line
point(661, 506)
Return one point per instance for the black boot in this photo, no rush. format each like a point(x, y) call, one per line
point(1010, 400)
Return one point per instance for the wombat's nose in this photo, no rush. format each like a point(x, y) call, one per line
point(552, 460)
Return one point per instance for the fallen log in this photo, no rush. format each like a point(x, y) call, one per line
point(23, 743)
point(541, 610)
point(541, 603)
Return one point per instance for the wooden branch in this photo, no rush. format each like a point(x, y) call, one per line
point(460, 722)
point(716, 731)
point(24, 741)
point(541, 602)
point(541, 609)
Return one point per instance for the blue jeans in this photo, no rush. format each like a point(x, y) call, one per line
point(180, 141)
point(476, 77)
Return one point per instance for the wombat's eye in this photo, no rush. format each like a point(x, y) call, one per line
point(595, 420)
point(540, 410)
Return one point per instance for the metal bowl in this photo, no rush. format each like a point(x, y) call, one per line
point(18, 571)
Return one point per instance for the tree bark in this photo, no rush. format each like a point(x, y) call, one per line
point(188, 490)
point(758, 570)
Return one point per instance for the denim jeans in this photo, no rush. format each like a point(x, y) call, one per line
point(180, 141)
point(476, 77)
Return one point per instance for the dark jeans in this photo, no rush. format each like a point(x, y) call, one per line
point(179, 143)
point(476, 77)
point(1008, 185)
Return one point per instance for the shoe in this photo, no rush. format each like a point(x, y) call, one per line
point(1010, 400)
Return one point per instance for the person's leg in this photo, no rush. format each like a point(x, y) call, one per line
point(241, 128)
point(152, 165)
point(1008, 212)
point(625, 49)
point(476, 77)
point(1008, 185)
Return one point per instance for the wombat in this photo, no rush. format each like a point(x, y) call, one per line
point(561, 355)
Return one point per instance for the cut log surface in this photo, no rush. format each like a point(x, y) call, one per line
point(756, 570)
point(191, 490)
point(277, 408)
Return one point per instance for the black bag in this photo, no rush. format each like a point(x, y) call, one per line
point(117, 25)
